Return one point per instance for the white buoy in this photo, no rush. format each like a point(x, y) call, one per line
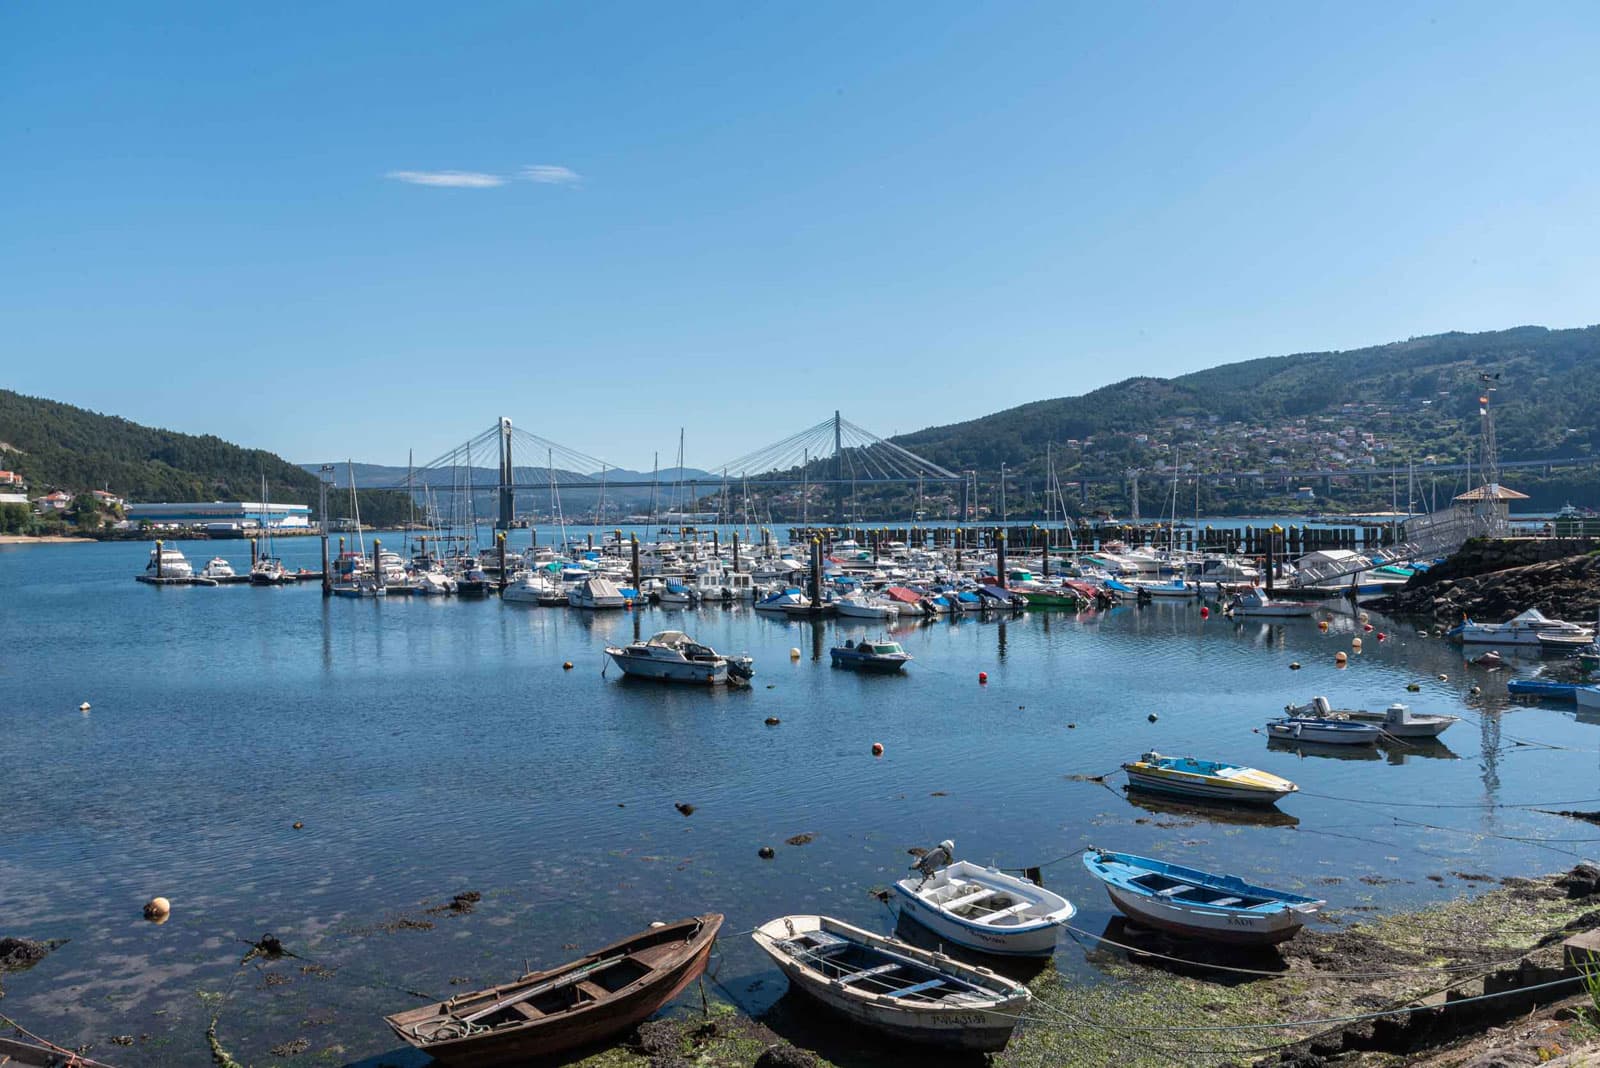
point(794, 654)
point(157, 908)
point(84, 707)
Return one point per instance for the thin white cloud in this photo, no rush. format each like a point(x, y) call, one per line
point(450, 179)
point(551, 174)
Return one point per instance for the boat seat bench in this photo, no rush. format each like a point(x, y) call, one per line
point(1003, 913)
point(1174, 891)
point(918, 988)
point(1225, 901)
point(970, 899)
point(866, 973)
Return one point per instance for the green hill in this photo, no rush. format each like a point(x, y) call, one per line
point(58, 446)
point(1419, 398)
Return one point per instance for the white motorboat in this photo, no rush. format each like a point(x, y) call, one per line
point(1255, 602)
point(781, 601)
point(433, 583)
point(529, 587)
point(1397, 720)
point(217, 568)
point(986, 909)
point(859, 605)
point(890, 986)
point(673, 656)
point(596, 593)
point(168, 563)
point(1532, 627)
point(677, 593)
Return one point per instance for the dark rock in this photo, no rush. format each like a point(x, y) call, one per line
point(800, 839)
point(19, 954)
point(766, 852)
point(784, 1055)
point(1582, 881)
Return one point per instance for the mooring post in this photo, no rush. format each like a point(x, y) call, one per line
point(377, 563)
point(634, 538)
point(253, 551)
point(736, 552)
point(500, 543)
point(327, 579)
point(158, 557)
point(1044, 561)
point(1272, 553)
point(816, 575)
point(1000, 560)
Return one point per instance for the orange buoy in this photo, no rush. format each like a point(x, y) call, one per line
point(983, 678)
point(1205, 613)
point(877, 749)
point(566, 665)
point(1322, 625)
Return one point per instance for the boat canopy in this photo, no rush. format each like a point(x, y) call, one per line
point(903, 595)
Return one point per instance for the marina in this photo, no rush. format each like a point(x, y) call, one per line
point(430, 700)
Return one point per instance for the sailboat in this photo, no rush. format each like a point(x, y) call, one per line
point(360, 580)
point(268, 570)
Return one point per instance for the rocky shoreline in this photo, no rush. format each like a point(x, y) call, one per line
point(1493, 580)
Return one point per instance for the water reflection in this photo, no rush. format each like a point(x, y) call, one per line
point(1211, 811)
point(1324, 749)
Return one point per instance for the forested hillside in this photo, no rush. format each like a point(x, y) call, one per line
point(59, 446)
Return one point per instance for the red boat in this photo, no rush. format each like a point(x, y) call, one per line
point(578, 1004)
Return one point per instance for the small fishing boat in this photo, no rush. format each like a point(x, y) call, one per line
point(1397, 720)
point(673, 656)
point(1210, 780)
point(986, 909)
point(893, 987)
point(43, 1055)
point(1322, 731)
point(1198, 904)
point(1255, 602)
point(1543, 689)
point(1587, 696)
point(1565, 642)
point(577, 1004)
point(880, 655)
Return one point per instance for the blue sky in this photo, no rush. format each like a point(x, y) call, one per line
point(354, 229)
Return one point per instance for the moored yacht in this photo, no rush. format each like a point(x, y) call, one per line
point(168, 563)
point(217, 568)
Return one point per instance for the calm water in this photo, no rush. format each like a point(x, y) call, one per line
point(436, 746)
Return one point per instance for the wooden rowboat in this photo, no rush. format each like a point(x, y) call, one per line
point(20, 1053)
point(577, 1004)
point(1198, 904)
point(892, 987)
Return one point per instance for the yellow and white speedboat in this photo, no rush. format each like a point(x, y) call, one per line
point(1208, 780)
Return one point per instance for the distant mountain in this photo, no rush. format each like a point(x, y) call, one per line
point(373, 476)
point(59, 446)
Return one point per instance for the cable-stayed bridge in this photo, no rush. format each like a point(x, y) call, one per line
point(835, 454)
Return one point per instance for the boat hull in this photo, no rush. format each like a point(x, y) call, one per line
point(1203, 789)
point(885, 664)
point(639, 667)
point(1215, 926)
point(1323, 735)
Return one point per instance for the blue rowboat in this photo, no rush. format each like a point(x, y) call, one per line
point(1546, 689)
point(1326, 731)
point(1198, 904)
point(1209, 780)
